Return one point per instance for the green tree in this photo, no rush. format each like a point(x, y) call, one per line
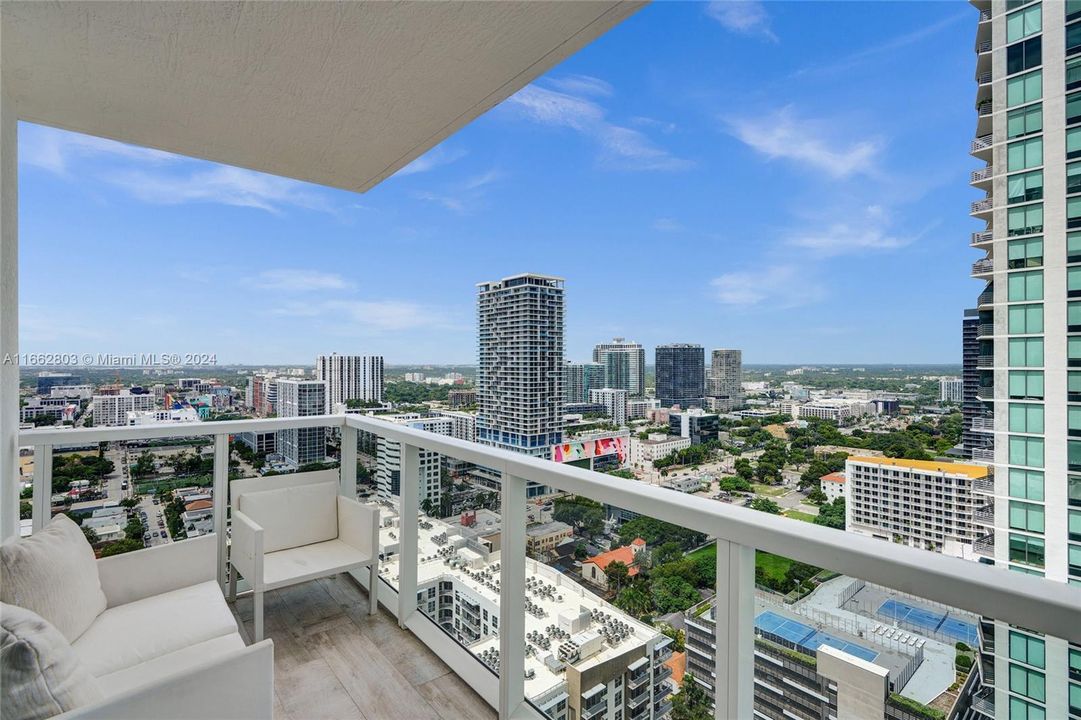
point(765, 505)
point(832, 514)
point(91, 535)
point(657, 532)
point(584, 515)
point(667, 552)
point(673, 594)
point(632, 600)
point(734, 483)
point(580, 552)
point(617, 573)
point(144, 465)
point(26, 510)
point(691, 702)
point(816, 495)
point(121, 546)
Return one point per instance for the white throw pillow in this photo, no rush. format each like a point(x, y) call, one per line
point(53, 573)
point(294, 516)
point(40, 674)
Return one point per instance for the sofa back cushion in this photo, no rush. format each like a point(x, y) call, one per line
point(40, 674)
point(294, 516)
point(53, 573)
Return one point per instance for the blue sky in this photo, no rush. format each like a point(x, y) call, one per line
point(786, 178)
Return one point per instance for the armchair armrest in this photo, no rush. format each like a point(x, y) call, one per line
point(358, 526)
point(246, 550)
point(236, 686)
point(144, 573)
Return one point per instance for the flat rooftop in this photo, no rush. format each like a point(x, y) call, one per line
point(940, 466)
point(552, 594)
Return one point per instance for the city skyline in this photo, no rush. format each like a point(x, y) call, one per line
point(617, 156)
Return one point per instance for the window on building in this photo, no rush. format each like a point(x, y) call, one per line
point(1073, 386)
point(1073, 108)
point(1024, 187)
point(1073, 524)
point(1026, 352)
point(1073, 247)
point(1025, 89)
point(1073, 351)
point(1073, 281)
point(1023, 23)
point(1022, 710)
point(1073, 9)
point(1073, 559)
point(1026, 385)
point(1025, 220)
point(1025, 319)
point(1026, 516)
point(1024, 55)
point(1073, 454)
point(1026, 450)
point(1073, 74)
point(1073, 489)
point(1029, 120)
point(1027, 551)
point(1026, 418)
point(1026, 484)
point(1075, 699)
point(1073, 316)
point(1027, 649)
point(1025, 253)
point(1024, 154)
point(1025, 286)
point(1073, 32)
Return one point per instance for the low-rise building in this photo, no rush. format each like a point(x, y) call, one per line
point(837, 409)
point(163, 417)
point(695, 424)
point(542, 539)
point(832, 485)
point(655, 447)
point(112, 410)
point(198, 517)
point(614, 401)
point(461, 398)
point(593, 569)
point(920, 503)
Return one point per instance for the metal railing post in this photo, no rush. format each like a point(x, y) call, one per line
point(734, 628)
point(221, 500)
point(43, 486)
point(407, 532)
point(512, 562)
point(348, 470)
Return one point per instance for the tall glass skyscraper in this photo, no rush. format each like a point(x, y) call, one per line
point(681, 374)
point(520, 363)
point(625, 365)
point(1028, 135)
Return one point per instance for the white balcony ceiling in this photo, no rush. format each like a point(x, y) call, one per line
point(341, 94)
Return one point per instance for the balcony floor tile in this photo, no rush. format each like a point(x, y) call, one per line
point(332, 660)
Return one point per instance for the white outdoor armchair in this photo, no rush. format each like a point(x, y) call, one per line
point(289, 529)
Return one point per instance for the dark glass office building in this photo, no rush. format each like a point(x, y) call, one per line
point(681, 374)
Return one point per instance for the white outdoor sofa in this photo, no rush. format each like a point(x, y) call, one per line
point(165, 645)
point(290, 529)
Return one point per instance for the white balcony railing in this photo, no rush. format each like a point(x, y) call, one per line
point(984, 173)
point(984, 266)
point(983, 205)
point(1035, 603)
point(983, 142)
point(983, 455)
point(982, 237)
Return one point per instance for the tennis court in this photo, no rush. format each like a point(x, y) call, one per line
point(900, 611)
point(806, 637)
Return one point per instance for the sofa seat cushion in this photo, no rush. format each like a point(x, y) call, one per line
point(287, 567)
point(293, 516)
point(126, 635)
point(171, 663)
point(54, 574)
point(40, 675)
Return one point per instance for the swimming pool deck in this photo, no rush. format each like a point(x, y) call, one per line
point(934, 676)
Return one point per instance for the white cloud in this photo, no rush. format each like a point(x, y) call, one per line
point(377, 315)
point(782, 135)
point(462, 197)
point(664, 126)
point(222, 184)
point(746, 17)
point(54, 150)
point(777, 286)
point(436, 157)
point(292, 280)
point(582, 85)
point(869, 232)
point(666, 224)
point(621, 147)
